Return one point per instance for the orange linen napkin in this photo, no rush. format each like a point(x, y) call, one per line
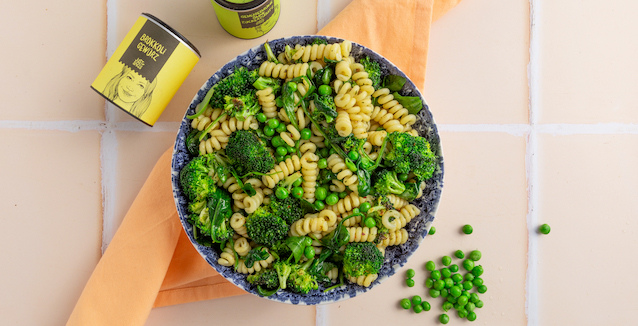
point(151, 263)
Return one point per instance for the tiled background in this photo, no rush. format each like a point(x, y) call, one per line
point(536, 106)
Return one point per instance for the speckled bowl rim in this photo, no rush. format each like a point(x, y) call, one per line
point(396, 256)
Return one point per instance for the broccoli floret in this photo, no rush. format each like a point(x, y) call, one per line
point(412, 190)
point(267, 278)
point(373, 69)
point(248, 153)
point(265, 227)
point(194, 179)
point(242, 107)
point(214, 217)
point(283, 269)
point(325, 108)
point(352, 143)
point(300, 280)
point(239, 84)
point(387, 182)
point(361, 258)
point(265, 82)
point(281, 250)
point(197, 206)
point(410, 154)
point(288, 208)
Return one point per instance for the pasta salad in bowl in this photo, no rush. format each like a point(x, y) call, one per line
point(307, 170)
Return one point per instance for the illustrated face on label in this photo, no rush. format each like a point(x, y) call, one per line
point(131, 87)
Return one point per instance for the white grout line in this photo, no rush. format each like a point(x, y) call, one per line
point(324, 13)
point(513, 129)
point(71, 126)
point(321, 312)
point(531, 162)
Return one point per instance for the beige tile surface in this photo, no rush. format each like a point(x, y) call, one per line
point(490, 195)
point(588, 191)
point(196, 20)
point(477, 63)
point(587, 61)
point(52, 51)
point(51, 222)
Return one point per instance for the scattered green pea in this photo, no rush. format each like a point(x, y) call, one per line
point(470, 306)
point(445, 272)
point(430, 266)
point(461, 301)
point(269, 131)
point(319, 205)
point(474, 298)
point(297, 192)
point(479, 304)
point(306, 134)
point(332, 199)
point(478, 281)
point(448, 282)
point(281, 193)
point(409, 282)
point(410, 273)
point(544, 229)
point(482, 289)
point(273, 123)
point(454, 268)
point(406, 304)
point(447, 306)
point(471, 316)
point(281, 150)
point(324, 152)
point(475, 255)
point(467, 229)
point(309, 252)
point(444, 293)
point(457, 278)
point(370, 222)
point(416, 300)
point(451, 298)
point(261, 117)
point(277, 142)
point(324, 90)
point(446, 260)
point(478, 270)
point(321, 193)
point(435, 275)
point(459, 254)
point(403, 177)
point(426, 306)
point(417, 308)
point(439, 285)
point(281, 128)
point(444, 319)
point(435, 293)
point(467, 285)
point(364, 207)
point(322, 163)
point(343, 194)
point(455, 291)
point(297, 182)
point(432, 230)
point(353, 155)
point(429, 283)
point(469, 277)
point(468, 265)
point(290, 149)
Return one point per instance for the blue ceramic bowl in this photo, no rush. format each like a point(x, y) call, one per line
point(395, 256)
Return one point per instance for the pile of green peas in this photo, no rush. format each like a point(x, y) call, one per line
point(447, 282)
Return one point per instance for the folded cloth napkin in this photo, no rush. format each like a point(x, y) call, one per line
point(151, 263)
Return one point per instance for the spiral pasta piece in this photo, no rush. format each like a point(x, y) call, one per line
point(338, 167)
point(362, 234)
point(390, 113)
point(202, 120)
point(408, 213)
point(217, 140)
point(238, 223)
point(309, 224)
point(352, 221)
point(333, 274)
point(266, 99)
point(282, 71)
point(252, 203)
point(257, 266)
point(328, 215)
point(343, 71)
point(227, 256)
point(363, 280)
point(376, 137)
point(309, 171)
point(242, 247)
point(362, 78)
point(347, 204)
point(281, 171)
point(393, 238)
point(233, 124)
point(313, 52)
point(396, 201)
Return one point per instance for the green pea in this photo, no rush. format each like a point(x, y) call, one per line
point(451, 298)
point(444, 319)
point(353, 155)
point(406, 304)
point(457, 278)
point(324, 152)
point(435, 293)
point(281, 193)
point(281, 128)
point(446, 260)
point(482, 289)
point(281, 150)
point(370, 222)
point(343, 194)
point(475, 255)
point(321, 193)
point(467, 285)
point(447, 306)
point(468, 265)
point(432, 230)
point(417, 308)
point(461, 301)
point(478, 281)
point(403, 177)
point(297, 192)
point(455, 291)
point(307, 241)
point(439, 285)
point(409, 282)
point(261, 117)
point(467, 229)
point(356, 210)
point(287, 157)
point(445, 272)
point(325, 90)
point(459, 254)
point(416, 300)
point(448, 282)
point(309, 252)
point(471, 316)
point(479, 304)
point(426, 306)
point(478, 270)
point(322, 163)
point(306, 134)
point(269, 131)
point(454, 268)
point(474, 298)
point(319, 205)
point(277, 141)
point(297, 182)
point(470, 306)
point(462, 313)
point(410, 273)
point(365, 206)
point(444, 293)
point(332, 150)
point(327, 76)
point(544, 229)
point(278, 157)
point(273, 123)
point(430, 266)
point(332, 199)
point(290, 149)
point(429, 283)
point(435, 275)
point(469, 277)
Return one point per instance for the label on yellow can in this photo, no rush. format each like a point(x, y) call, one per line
point(146, 69)
point(247, 19)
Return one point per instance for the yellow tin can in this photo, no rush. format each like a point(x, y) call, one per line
point(247, 18)
point(147, 69)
